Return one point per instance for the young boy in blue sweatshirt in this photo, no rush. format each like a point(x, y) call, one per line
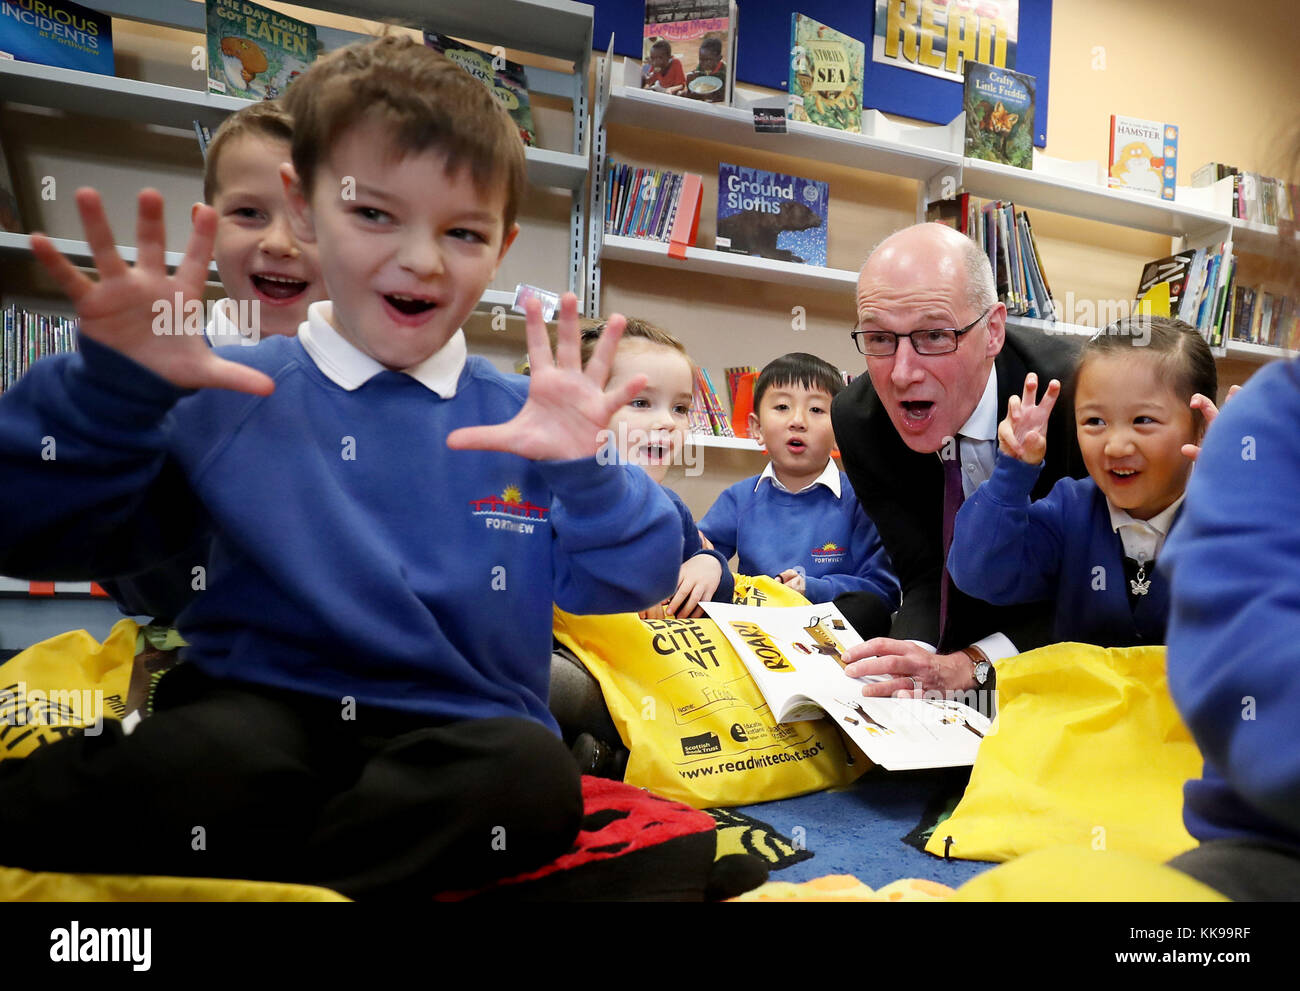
point(1089, 546)
point(799, 520)
point(353, 712)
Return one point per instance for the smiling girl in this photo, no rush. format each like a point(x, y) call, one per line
point(1144, 393)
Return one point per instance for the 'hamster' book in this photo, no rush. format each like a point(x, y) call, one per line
point(254, 52)
point(771, 215)
point(689, 48)
point(999, 105)
point(1143, 156)
point(508, 80)
point(825, 83)
point(58, 33)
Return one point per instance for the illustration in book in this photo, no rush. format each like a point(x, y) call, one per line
point(689, 48)
point(825, 81)
point(999, 105)
point(254, 52)
point(796, 657)
point(772, 215)
point(507, 80)
point(1143, 156)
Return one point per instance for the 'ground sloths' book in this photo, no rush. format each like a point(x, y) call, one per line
point(772, 215)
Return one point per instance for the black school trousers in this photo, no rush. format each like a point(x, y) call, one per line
point(233, 780)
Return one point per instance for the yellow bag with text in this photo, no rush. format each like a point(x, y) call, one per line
point(57, 686)
point(1087, 751)
point(691, 716)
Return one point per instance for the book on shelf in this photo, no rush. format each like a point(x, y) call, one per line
point(1258, 316)
point(771, 215)
point(10, 219)
point(711, 418)
point(204, 137)
point(507, 80)
point(1007, 238)
point(795, 657)
point(255, 53)
point(999, 106)
point(642, 202)
point(689, 49)
point(1194, 286)
point(1163, 282)
point(1143, 156)
point(953, 212)
point(27, 336)
point(740, 387)
point(825, 79)
point(58, 33)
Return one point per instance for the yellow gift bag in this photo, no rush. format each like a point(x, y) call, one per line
point(1088, 751)
point(690, 714)
point(60, 684)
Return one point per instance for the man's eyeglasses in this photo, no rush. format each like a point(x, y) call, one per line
point(883, 343)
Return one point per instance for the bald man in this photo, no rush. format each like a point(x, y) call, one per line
point(918, 434)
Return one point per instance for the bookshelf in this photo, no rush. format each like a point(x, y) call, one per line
point(927, 155)
point(555, 28)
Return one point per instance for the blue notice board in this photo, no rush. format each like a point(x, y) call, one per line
point(764, 51)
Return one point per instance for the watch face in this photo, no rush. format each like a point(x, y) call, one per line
point(982, 672)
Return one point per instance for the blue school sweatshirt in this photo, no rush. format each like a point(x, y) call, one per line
point(829, 536)
point(691, 545)
point(353, 553)
point(1060, 549)
point(1234, 663)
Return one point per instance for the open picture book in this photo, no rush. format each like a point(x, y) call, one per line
point(794, 655)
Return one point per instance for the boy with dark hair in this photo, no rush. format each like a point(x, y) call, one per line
point(799, 519)
point(664, 71)
point(353, 712)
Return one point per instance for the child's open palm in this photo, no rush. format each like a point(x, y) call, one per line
point(568, 410)
point(1023, 434)
point(121, 308)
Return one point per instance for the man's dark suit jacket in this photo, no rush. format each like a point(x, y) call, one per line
point(902, 491)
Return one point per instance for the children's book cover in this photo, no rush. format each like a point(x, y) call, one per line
point(825, 82)
point(1143, 156)
point(772, 215)
point(508, 80)
point(689, 48)
point(999, 105)
point(254, 52)
point(58, 33)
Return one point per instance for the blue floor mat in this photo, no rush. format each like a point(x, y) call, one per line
point(859, 830)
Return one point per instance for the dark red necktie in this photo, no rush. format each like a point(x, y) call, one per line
point(952, 500)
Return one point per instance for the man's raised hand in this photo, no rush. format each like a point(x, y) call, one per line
point(1023, 434)
point(121, 308)
point(568, 410)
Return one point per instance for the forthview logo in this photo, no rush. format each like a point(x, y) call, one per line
point(509, 511)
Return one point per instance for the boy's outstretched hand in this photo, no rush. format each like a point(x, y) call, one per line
point(1023, 434)
point(121, 309)
point(568, 410)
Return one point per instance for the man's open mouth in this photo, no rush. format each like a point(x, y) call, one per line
point(917, 409)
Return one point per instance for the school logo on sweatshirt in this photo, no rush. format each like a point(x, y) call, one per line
point(509, 511)
point(828, 553)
